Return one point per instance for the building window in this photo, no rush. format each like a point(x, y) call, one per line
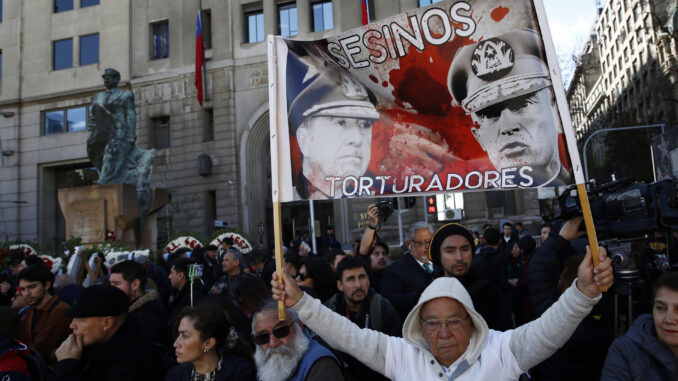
point(89, 49)
point(161, 132)
point(160, 40)
point(423, 3)
point(62, 57)
point(88, 3)
point(65, 120)
point(207, 28)
point(288, 19)
point(0, 10)
point(323, 19)
point(255, 26)
point(208, 125)
point(63, 5)
point(0, 63)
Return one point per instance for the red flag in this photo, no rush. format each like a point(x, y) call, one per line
point(366, 12)
point(199, 57)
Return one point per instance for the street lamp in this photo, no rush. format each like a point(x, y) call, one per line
point(586, 142)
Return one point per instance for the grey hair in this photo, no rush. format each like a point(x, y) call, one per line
point(418, 226)
point(271, 305)
point(237, 254)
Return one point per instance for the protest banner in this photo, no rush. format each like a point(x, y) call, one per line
point(455, 96)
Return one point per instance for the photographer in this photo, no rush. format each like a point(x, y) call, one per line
point(649, 350)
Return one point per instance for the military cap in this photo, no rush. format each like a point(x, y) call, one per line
point(444, 232)
point(99, 300)
point(332, 93)
point(497, 69)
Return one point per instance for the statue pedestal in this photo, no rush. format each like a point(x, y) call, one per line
point(92, 210)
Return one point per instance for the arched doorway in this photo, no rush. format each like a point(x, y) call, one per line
point(256, 182)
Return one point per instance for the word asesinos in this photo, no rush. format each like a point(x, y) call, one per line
point(389, 40)
point(352, 186)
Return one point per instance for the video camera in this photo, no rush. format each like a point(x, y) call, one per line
point(624, 208)
point(626, 214)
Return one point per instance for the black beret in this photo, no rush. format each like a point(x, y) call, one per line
point(99, 300)
point(444, 232)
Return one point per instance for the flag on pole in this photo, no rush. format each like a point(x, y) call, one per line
point(365, 12)
point(199, 57)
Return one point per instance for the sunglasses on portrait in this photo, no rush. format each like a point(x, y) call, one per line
point(280, 333)
point(302, 277)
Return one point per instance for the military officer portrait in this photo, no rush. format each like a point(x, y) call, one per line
point(503, 83)
point(331, 119)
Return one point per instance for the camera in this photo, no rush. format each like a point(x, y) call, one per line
point(624, 208)
point(626, 214)
point(385, 210)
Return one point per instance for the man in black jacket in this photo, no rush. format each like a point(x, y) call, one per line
point(484, 264)
point(547, 264)
point(364, 307)
point(404, 280)
point(144, 306)
point(179, 280)
point(452, 248)
point(105, 345)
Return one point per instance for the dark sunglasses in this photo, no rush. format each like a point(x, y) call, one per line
point(279, 333)
point(302, 277)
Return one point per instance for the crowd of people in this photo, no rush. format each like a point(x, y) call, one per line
point(459, 305)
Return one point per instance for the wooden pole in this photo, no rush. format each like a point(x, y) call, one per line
point(590, 228)
point(275, 165)
point(568, 129)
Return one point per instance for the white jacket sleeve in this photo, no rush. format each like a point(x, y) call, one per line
point(536, 341)
point(342, 334)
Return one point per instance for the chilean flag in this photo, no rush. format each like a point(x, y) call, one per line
point(199, 57)
point(366, 12)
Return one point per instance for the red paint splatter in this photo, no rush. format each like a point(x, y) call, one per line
point(384, 84)
point(499, 13)
point(373, 78)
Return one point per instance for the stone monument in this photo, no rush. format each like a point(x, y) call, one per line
point(111, 134)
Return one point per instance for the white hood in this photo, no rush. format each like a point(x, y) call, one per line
point(447, 287)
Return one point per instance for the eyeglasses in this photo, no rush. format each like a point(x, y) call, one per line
point(422, 243)
point(302, 277)
point(280, 332)
point(434, 325)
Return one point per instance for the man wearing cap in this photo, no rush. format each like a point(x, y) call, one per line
point(332, 122)
point(452, 247)
point(105, 345)
point(504, 84)
point(444, 338)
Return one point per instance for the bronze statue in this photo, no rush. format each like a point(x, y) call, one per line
point(111, 133)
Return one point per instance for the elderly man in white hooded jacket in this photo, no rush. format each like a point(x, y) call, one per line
point(444, 338)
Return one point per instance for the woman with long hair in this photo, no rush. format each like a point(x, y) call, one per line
point(208, 348)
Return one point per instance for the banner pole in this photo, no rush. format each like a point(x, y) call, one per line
point(275, 165)
point(568, 131)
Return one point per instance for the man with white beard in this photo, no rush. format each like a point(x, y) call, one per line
point(284, 352)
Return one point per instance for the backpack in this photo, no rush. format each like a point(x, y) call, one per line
point(19, 362)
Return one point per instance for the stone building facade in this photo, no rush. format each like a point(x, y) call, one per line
point(627, 73)
point(50, 71)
